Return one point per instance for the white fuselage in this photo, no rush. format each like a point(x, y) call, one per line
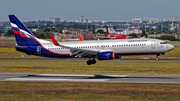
point(118, 46)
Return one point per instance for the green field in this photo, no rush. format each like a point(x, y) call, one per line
point(80, 67)
point(12, 61)
point(69, 91)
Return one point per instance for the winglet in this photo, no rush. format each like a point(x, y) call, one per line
point(80, 37)
point(54, 41)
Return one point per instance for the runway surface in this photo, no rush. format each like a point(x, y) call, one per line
point(89, 78)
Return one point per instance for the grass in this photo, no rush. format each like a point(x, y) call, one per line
point(64, 91)
point(102, 67)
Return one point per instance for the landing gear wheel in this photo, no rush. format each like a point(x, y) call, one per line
point(93, 61)
point(89, 62)
point(157, 59)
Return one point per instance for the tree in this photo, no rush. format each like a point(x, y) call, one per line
point(171, 38)
point(35, 33)
point(57, 30)
point(47, 30)
point(9, 33)
point(101, 31)
point(133, 35)
point(105, 26)
point(144, 34)
point(152, 32)
point(43, 35)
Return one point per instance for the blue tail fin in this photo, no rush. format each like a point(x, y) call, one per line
point(23, 36)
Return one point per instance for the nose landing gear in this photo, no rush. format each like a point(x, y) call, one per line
point(157, 59)
point(158, 55)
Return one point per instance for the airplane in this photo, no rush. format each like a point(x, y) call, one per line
point(93, 49)
point(116, 36)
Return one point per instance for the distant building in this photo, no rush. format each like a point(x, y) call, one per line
point(147, 20)
point(7, 28)
point(70, 30)
point(172, 27)
point(176, 18)
point(155, 20)
point(128, 31)
point(34, 29)
point(167, 19)
point(111, 30)
point(4, 29)
point(54, 20)
point(87, 34)
point(177, 36)
point(136, 20)
point(82, 20)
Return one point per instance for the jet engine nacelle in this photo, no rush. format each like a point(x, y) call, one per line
point(106, 55)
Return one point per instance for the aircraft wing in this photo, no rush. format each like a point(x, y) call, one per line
point(76, 51)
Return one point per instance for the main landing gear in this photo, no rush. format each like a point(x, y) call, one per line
point(93, 61)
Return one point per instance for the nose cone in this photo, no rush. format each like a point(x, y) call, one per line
point(170, 47)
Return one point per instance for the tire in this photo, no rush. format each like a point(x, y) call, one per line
point(93, 61)
point(157, 59)
point(89, 62)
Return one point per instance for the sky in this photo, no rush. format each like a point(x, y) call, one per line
point(107, 10)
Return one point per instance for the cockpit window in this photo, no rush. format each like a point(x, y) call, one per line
point(163, 42)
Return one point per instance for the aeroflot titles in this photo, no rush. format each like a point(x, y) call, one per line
point(137, 40)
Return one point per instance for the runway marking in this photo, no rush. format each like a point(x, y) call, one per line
point(83, 75)
point(69, 80)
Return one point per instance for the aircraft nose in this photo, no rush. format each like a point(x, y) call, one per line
point(170, 47)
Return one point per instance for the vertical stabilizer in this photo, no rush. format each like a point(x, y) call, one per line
point(107, 31)
point(23, 36)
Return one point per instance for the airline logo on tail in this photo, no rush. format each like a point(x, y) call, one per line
point(20, 31)
point(19, 28)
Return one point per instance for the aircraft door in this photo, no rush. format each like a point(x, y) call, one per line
point(38, 49)
point(153, 44)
